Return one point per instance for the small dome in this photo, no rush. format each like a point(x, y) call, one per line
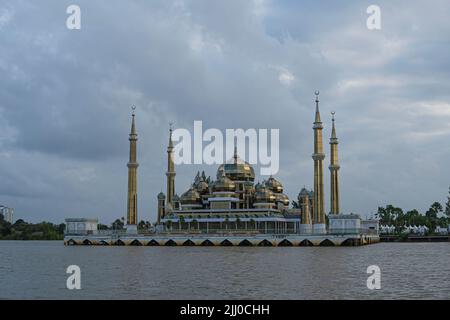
point(264, 195)
point(274, 185)
point(281, 197)
point(237, 169)
point(202, 187)
point(176, 198)
point(190, 197)
point(303, 193)
point(259, 186)
point(161, 195)
point(224, 184)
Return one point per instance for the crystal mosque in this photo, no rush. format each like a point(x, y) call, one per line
point(231, 209)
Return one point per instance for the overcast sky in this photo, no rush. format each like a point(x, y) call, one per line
point(65, 97)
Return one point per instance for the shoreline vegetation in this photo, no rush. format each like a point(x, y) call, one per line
point(435, 216)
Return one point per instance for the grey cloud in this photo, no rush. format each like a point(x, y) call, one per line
point(65, 96)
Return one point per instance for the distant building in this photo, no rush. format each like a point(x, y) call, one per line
point(7, 213)
point(81, 226)
point(441, 230)
point(344, 224)
point(370, 226)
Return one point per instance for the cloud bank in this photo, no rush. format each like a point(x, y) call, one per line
point(65, 97)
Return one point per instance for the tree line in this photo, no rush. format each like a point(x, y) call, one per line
point(21, 230)
point(435, 216)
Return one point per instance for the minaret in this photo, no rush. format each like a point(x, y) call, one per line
point(161, 206)
point(170, 173)
point(305, 222)
point(334, 170)
point(318, 157)
point(132, 179)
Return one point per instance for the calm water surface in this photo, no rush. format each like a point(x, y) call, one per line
point(37, 270)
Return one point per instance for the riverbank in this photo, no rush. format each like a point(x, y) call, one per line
point(410, 238)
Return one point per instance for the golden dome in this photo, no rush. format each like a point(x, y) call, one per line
point(263, 194)
point(274, 185)
point(190, 197)
point(237, 169)
point(202, 187)
point(281, 197)
point(224, 184)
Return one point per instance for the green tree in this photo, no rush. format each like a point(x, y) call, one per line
point(447, 205)
point(142, 225)
point(432, 215)
point(102, 227)
point(181, 221)
point(169, 224)
point(412, 217)
point(391, 215)
point(118, 224)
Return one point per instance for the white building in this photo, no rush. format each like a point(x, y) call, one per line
point(442, 230)
point(344, 224)
point(81, 226)
point(370, 226)
point(7, 213)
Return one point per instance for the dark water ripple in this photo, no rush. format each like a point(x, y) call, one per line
point(36, 270)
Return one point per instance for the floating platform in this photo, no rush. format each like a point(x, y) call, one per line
point(266, 240)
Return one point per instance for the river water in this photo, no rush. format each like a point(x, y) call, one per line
point(37, 270)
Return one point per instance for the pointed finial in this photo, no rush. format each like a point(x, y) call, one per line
point(133, 126)
point(333, 129)
point(317, 118)
point(170, 136)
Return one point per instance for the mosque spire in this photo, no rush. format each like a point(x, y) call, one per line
point(170, 135)
point(318, 157)
point(334, 170)
point(333, 129)
point(317, 119)
point(170, 172)
point(132, 174)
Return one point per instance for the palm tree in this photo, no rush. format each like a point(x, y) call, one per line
point(254, 223)
point(226, 222)
point(180, 222)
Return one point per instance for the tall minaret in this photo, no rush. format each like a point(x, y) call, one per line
point(318, 157)
point(170, 172)
point(132, 178)
point(334, 171)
